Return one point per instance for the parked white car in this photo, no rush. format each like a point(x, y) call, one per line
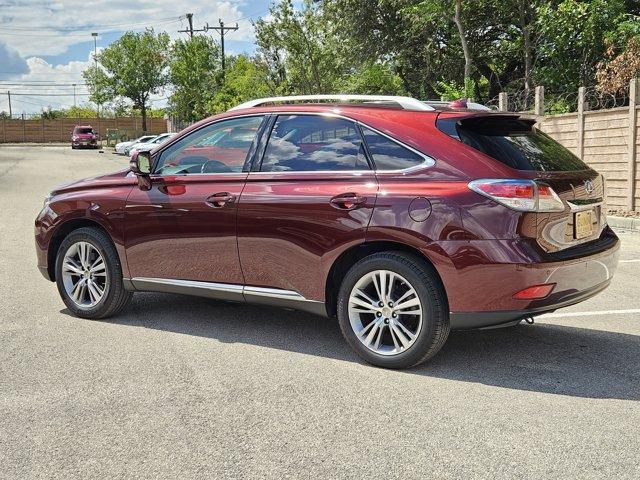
point(148, 146)
point(120, 147)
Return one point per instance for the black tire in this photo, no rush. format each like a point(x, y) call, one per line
point(115, 297)
point(425, 281)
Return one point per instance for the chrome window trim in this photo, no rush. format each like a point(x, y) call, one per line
point(177, 137)
point(427, 163)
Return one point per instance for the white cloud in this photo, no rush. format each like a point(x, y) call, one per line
point(32, 30)
point(50, 28)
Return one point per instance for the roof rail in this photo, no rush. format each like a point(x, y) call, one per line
point(470, 105)
point(407, 103)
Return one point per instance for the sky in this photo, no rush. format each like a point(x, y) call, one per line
point(46, 44)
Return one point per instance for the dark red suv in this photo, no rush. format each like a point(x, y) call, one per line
point(401, 218)
point(84, 136)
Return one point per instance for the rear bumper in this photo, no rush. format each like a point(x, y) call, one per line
point(473, 320)
point(481, 294)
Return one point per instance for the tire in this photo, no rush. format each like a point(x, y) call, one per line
point(114, 296)
point(404, 339)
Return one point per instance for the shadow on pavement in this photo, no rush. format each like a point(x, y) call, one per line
point(541, 358)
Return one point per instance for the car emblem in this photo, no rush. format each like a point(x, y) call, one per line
point(588, 186)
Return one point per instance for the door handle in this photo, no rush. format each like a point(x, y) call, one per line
point(347, 201)
point(220, 199)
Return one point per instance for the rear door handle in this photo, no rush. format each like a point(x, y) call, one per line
point(347, 201)
point(220, 199)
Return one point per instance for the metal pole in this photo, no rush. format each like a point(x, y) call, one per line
point(222, 42)
point(74, 95)
point(95, 60)
point(9, 95)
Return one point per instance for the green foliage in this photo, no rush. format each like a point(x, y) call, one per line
point(299, 46)
point(573, 37)
point(454, 91)
point(195, 75)
point(133, 67)
point(376, 78)
point(445, 49)
point(245, 79)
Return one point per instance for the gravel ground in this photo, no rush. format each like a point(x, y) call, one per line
point(193, 388)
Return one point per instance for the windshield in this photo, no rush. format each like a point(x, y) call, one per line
point(513, 142)
point(83, 130)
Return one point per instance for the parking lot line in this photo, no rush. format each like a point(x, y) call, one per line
point(630, 261)
point(629, 311)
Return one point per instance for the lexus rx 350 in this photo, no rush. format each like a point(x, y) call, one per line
point(402, 219)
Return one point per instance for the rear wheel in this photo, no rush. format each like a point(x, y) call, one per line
point(89, 275)
point(392, 310)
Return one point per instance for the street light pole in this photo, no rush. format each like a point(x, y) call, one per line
point(95, 60)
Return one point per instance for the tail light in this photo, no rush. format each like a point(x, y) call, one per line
point(521, 195)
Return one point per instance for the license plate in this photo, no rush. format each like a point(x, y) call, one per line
point(583, 224)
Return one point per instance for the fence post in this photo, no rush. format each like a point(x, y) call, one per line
point(634, 99)
point(24, 132)
point(4, 129)
point(539, 105)
point(503, 102)
point(580, 146)
point(42, 124)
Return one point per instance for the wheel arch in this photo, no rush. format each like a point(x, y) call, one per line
point(357, 252)
point(61, 233)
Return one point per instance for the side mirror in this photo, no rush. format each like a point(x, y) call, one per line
point(140, 164)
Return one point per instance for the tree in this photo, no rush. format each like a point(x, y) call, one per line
point(373, 78)
point(133, 67)
point(195, 75)
point(573, 41)
point(244, 80)
point(299, 45)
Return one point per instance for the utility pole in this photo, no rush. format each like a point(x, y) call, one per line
point(222, 30)
point(9, 96)
point(192, 30)
point(74, 94)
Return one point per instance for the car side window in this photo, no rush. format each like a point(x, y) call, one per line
point(221, 147)
point(389, 155)
point(303, 143)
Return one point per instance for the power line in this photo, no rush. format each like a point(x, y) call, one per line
point(160, 21)
point(65, 33)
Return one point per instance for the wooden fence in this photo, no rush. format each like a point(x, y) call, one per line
point(607, 140)
point(20, 130)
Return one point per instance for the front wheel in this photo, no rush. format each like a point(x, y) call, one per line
point(89, 275)
point(392, 310)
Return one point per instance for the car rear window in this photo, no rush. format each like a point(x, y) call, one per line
point(83, 130)
point(514, 142)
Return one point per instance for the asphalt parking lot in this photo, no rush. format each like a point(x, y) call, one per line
point(189, 387)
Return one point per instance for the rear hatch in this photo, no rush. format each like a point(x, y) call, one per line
point(516, 143)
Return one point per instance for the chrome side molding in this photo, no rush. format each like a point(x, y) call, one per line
point(228, 291)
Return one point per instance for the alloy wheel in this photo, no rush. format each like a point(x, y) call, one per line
point(84, 274)
point(385, 312)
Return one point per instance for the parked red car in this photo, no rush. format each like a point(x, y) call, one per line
point(84, 136)
point(402, 219)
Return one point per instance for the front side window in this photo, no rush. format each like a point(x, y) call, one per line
point(221, 147)
point(304, 143)
point(389, 155)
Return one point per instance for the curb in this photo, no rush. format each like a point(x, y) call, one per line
point(628, 223)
